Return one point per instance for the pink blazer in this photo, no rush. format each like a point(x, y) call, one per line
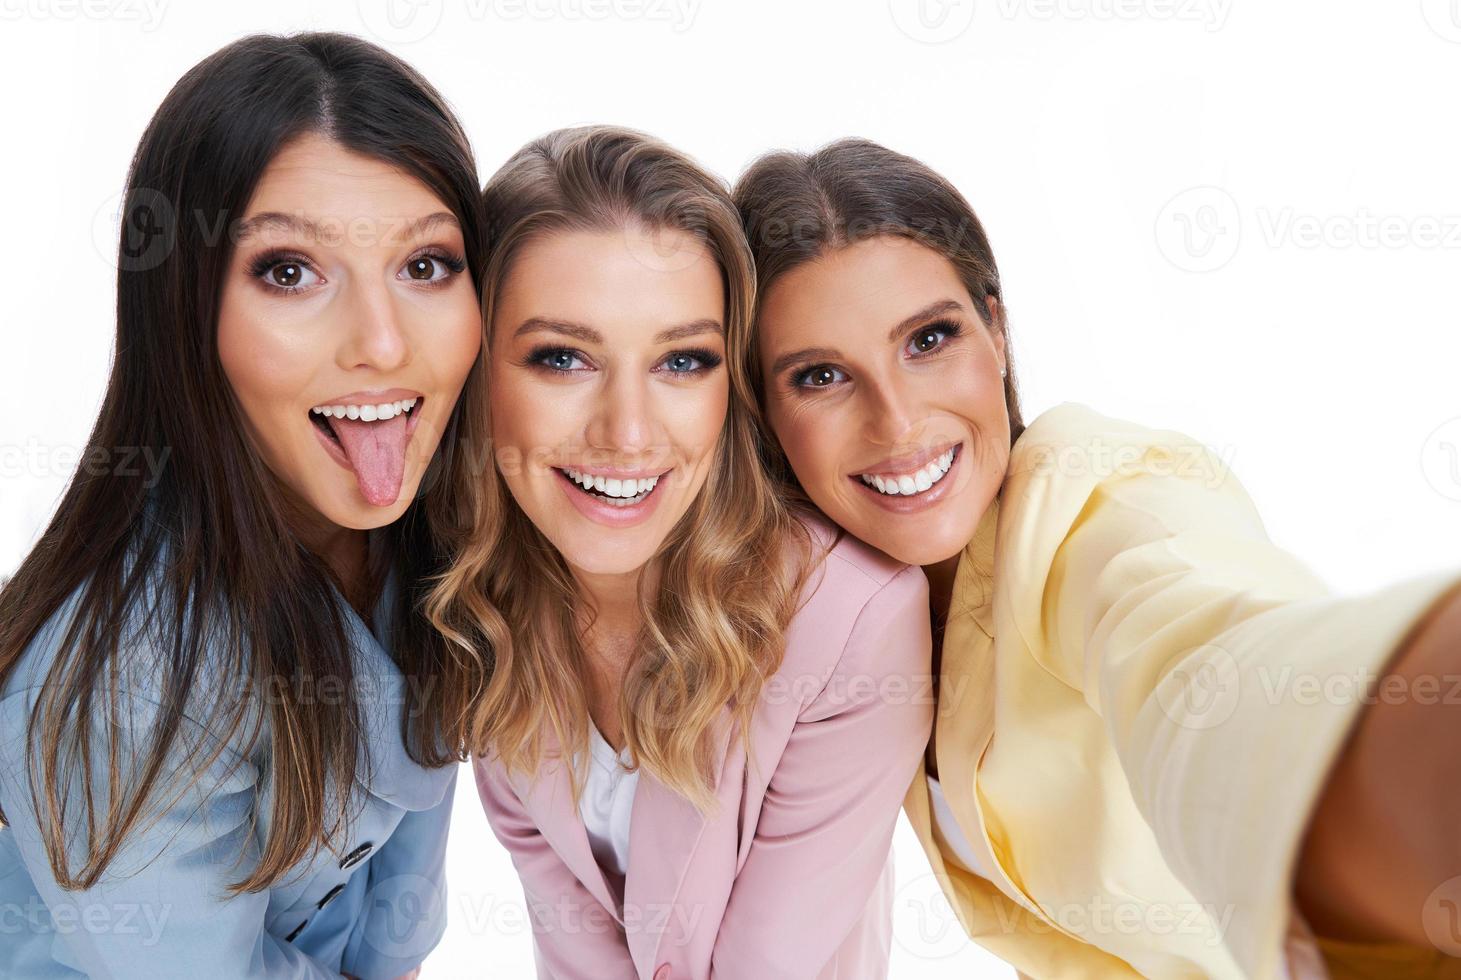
point(792, 878)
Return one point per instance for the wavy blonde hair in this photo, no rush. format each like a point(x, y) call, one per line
point(715, 619)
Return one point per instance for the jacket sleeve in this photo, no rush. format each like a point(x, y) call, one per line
point(826, 825)
point(573, 934)
point(160, 909)
point(406, 898)
point(1227, 674)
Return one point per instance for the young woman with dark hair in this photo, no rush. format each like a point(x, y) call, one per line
point(213, 760)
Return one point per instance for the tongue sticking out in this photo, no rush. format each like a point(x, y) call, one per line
point(377, 451)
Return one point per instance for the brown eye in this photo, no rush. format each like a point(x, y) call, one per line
point(931, 338)
point(286, 274)
point(926, 341)
point(423, 268)
point(820, 376)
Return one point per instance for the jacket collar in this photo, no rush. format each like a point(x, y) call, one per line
point(384, 694)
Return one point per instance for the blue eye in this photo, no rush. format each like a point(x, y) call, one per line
point(560, 359)
point(690, 362)
point(818, 376)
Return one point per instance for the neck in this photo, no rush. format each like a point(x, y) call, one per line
point(345, 550)
point(611, 603)
point(941, 587)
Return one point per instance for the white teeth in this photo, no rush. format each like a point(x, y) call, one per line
point(618, 491)
point(367, 413)
point(908, 484)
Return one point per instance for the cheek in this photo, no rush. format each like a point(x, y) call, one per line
point(266, 365)
point(965, 388)
point(452, 351)
point(706, 416)
point(806, 437)
point(507, 405)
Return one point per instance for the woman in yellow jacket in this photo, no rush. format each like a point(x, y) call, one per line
point(1163, 747)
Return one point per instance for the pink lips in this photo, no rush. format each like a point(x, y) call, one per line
point(614, 515)
point(921, 501)
point(373, 451)
point(908, 462)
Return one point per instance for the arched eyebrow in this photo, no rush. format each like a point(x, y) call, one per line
point(298, 223)
point(805, 354)
point(937, 308)
point(934, 309)
point(692, 329)
point(589, 335)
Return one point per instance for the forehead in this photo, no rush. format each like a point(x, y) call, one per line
point(614, 279)
point(335, 190)
point(866, 286)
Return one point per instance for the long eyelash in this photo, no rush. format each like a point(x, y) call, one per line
point(452, 260)
point(794, 376)
point(269, 260)
point(537, 358)
point(709, 359)
point(949, 327)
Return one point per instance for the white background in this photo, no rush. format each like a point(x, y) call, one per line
point(1237, 218)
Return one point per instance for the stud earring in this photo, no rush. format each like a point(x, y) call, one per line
point(1001, 372)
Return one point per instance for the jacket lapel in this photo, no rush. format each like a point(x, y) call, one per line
point(965, 719)
point(548, 798)
point(383, 693)
point(665, 831)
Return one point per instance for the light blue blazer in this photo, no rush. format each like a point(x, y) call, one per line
point(374, 909)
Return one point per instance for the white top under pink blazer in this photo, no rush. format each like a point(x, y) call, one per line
point(792, 877)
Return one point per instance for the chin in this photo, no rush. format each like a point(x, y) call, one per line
point(608, 560)
point(357, 515)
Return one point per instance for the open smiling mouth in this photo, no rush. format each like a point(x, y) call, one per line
point(614, 491)
point(916, 482)
point(910, 490)
point(370, 440)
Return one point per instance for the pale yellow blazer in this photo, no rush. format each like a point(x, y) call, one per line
point(1140, 698)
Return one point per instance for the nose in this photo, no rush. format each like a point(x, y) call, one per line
point(624, 419)
point(890, 411)
point(374, 335)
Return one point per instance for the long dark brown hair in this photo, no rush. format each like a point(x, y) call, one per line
point(797, 206)
point(203, 551)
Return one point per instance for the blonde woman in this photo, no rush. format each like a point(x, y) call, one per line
point(694, 716)
point(1113, 788)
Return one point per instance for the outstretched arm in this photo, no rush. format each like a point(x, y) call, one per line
point(1382, 851)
